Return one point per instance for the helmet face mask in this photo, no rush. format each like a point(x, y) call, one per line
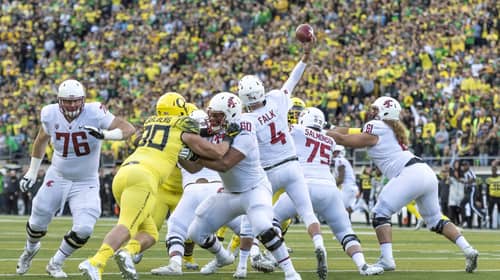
point(171, 104)
point(294, 112)
point(313, 118)
point(222, 109)
point(251, 90)
point(71, 98)
point(385, 108)
point(201, 117)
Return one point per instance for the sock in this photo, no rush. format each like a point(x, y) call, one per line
point(359, 259)
point(462, 243)
point(103, 255)
point(30, 245)
point(255, 250)
point(65, 250)
point(318, 241)
point(133, 247)
point(188, 259)
point(243, 258)
point(176, 259)
point(235, 243)
point(386, 249)
point(283, 258)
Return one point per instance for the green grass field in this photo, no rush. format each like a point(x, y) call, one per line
point(419, 254)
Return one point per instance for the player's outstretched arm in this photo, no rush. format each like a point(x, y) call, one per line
point(299, 69)
point(127, 128)
point(204, 148)
point(118, 130)
point(39, 146)
point(360, 140)
point(230, 159)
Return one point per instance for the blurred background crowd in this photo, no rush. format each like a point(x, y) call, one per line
point(438, 58)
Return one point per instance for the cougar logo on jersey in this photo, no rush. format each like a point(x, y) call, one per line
point(230, 102)
point(49, 183)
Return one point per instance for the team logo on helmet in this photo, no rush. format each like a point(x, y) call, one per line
point(230, 102)
point(388, 103)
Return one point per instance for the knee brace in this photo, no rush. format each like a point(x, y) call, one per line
point(380, 221)
point(34, 234)
point(209, 242)
point(271, 239)
point(438, 228)
point(74, 240)
point(173, 240)
point(277, 227)
point(350, 240)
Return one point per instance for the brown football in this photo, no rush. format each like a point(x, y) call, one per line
point(304, 33)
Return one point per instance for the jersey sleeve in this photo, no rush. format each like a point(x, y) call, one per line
point(374, 127)
point(101, 113)
point(187, 124)
point(45, 119)
point(244, 142)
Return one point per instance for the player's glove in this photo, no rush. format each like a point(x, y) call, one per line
point(29, 178)
point(187, 154)
point(94, 131)
point(232, 130)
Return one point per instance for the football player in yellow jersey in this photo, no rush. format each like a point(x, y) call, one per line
point(493, 183)
point(136, 184)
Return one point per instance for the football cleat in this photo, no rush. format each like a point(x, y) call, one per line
point(24, 262)
point(471, 255)
point(367, 269)
point(90, 271)
point(171, 269)
point(126, 265)
point(241, 273)
point(386, 264)
point(217, 263)
point(293, 276)
point(322, 269)
point(55, 269)
point(260, 263)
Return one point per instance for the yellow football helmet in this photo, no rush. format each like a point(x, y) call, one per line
point(171, 104)
point(294, 112)
point(191, 107)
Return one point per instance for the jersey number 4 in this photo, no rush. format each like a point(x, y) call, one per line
point(81, 148)
point(276, 137)
point(324, 151)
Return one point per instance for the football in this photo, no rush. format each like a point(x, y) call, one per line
point(304, 33)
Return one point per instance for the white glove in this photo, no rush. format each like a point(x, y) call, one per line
point(187, 154)
point(29, 178)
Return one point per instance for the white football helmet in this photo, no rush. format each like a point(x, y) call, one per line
point(200, 116)
point(227, 103)
point(71, 98)
point(251, 90)
point(388, 108)
point(340, 149)
point(312, 117)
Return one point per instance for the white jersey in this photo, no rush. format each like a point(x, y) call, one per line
point(349, 176)
point(271, 121)
point(314, 149)
point(205, 173)
point(248, 173)
point(76, 152)
point(389, 156)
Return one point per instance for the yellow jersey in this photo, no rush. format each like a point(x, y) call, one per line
point(174, 181)
point(365, 181)
point(493, 186)
point(161, 143)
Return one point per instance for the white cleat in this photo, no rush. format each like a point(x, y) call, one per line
point(322, 269)
point(293, 276)
point(420, 224)
point(171, 269)
point(386, 264)
point(24, 262)
point(89, 271)
point(471, 255)
point(55, 269)
point(126, 265)
point(371, 270)
point(241, 273)
point(260, 263)
point(217, 263)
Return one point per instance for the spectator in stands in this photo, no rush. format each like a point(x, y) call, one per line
point(11, 189)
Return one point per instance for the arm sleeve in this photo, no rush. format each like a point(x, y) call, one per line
point(244, 143)
point(294, 78)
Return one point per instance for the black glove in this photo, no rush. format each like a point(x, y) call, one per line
point(94, 131)
point(204, 132)
point(187, 154)
point(232, 130)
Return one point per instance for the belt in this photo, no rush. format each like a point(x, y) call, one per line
point(280, 163)
point(413, 161)
point(202, 181)
point(131, 162)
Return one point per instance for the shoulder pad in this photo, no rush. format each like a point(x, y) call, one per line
point(187, 124)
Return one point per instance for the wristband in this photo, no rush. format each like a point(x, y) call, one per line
point(35, 165)
point(115, 134)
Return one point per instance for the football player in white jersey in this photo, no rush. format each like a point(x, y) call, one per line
point(75, 129)
point(344, 177)
point(314, 149)
point(246, 190)
point(269, 113)
point(198, 185)
point(409, 178)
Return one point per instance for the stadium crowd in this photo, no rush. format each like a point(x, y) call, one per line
point(438, 58)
